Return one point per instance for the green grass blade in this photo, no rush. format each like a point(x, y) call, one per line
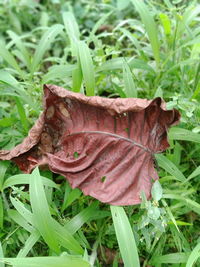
point(99, 23)
point(82, 217)
point(71, 25)
point(150, 26)
point(117, 63)
point(176, 133)
point(77, 77)
point(25, 218)
point(129, 85)
point(8, 57)
point(19, 219)
point(22, 114)
point(13, 87)
point(188, 202)
point(195, 254)
point(171, 258)
point(16, 39)
point(1, 213)
point(30, 242)
point(71, 197)
point(195, 173)
point(132, 38)
point(25, 179)
point(44, 44)
point(87, 68)
point(66, 239)
point(72, 30)
point(125, 237)
point(3, 167)
point(170, 167)
point(23, 211)
point(1, 255)
point(171, 216)
point(61, 261)
point(41, 214)
point(58, 72)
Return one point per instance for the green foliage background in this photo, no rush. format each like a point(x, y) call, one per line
point(112, 48)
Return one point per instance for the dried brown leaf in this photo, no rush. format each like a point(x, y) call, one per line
point(103, 146)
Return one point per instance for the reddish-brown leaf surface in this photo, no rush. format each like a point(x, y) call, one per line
point(103, 146)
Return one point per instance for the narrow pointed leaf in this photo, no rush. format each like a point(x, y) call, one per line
point(170, 167)
point(87, 68)
point(150, 27)
point(125, 237)
point(52, 261)
point(41, 214)
point(44, 45)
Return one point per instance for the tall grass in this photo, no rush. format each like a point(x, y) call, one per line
point(134, 49)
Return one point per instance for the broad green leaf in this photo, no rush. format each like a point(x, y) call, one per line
point(51, 261)
point(41, 214)
point(150, 27)
point(87, 68)
point(176, 133)
point(129, 85)
point(170, 167)
point(125, 237)
point(44, 44)
point(195, 254)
